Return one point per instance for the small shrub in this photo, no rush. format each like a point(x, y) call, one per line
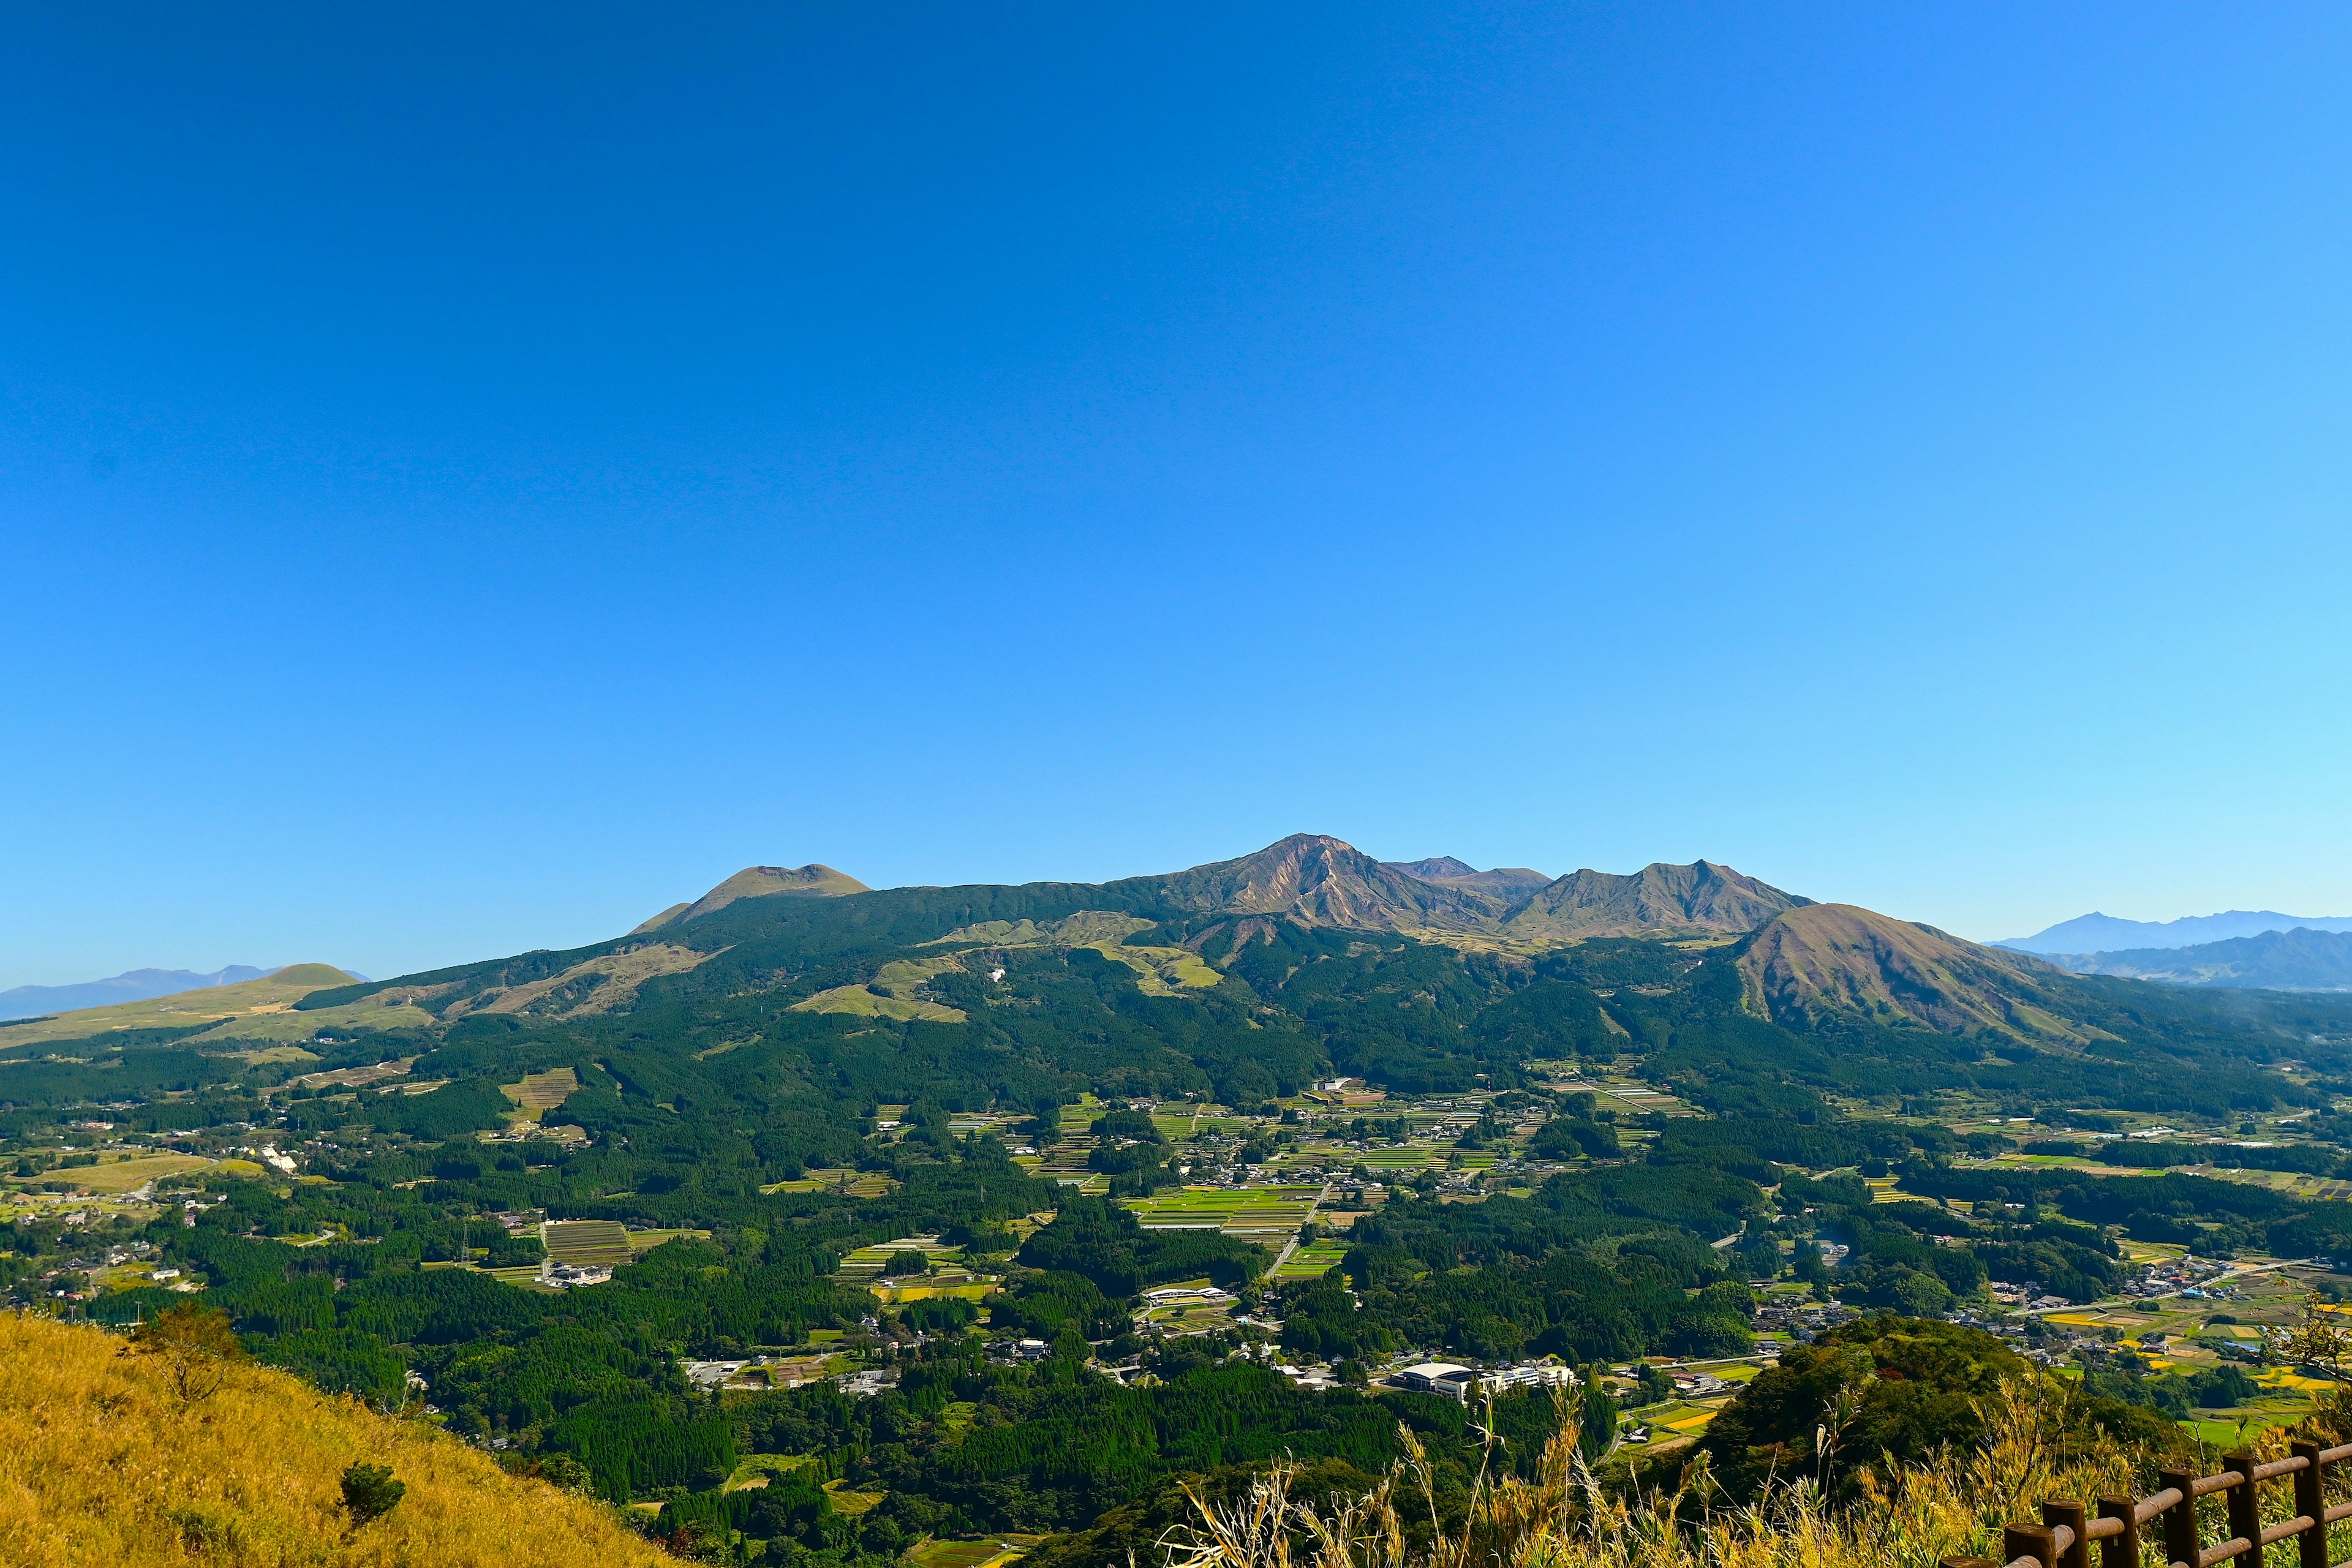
point(195, 1346)
point(369, 1492)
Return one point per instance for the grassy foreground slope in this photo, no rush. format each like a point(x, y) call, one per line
point(100, 1466)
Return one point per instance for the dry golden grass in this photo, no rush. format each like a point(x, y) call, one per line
point(1564, 1519)
point(101, 1468)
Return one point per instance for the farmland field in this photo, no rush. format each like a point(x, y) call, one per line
point(964, 1553)
point(586, 1243)
point(1312, 1260)
point(1246, 1210)
point(124, 1174)
point(871, 1259)
point(540, 1092)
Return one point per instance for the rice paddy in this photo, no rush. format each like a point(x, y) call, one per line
point(1236, 1211)
point(1312, 1261)
point(844, 1182)
point(871, 1260)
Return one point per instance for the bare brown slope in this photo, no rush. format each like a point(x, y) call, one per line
point(1323, 881)
point(1694, 901)
point(1836, 959)
point(757, 882)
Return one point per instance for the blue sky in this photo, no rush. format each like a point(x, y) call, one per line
point(468, 480)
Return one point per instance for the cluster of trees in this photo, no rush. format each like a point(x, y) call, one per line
point(978, 1445)
point(1633, 1302)
point(1098, 1240)
point(1890, 1390)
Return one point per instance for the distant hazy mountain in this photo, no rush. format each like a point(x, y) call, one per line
point(2104, 933)
point(2298, 960)
point(132, 985)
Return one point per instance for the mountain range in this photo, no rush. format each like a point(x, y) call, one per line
point(2096, 932)
point(2297, 959)
point(130, 986)
point(1323, 881)
point(1799, 963)
point(1802, 963)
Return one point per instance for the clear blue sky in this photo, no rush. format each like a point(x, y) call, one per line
point(469, 477)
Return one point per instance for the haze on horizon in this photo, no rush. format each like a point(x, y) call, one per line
point(475, 480)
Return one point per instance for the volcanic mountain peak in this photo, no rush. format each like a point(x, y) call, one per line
point(757, 881)
point(1325, 882)
point(1841, 959)
point(1660, 899)
point(1508, 884)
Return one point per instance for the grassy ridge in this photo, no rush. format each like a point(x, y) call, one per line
point(100, 1466)
point(183, 1009)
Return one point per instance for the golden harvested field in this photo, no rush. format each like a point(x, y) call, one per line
point(124, 1174)
point(101, 1468)
point(540, 1092)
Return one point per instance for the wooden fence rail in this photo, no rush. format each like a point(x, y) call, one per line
point(2063, 1538)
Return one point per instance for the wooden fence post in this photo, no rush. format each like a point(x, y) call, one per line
point(2311, 1501)
point(2030, 1541)
point(2120, 1550)
point(2073, 1516)
point(2245, 1514)
point(2181, 1519)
